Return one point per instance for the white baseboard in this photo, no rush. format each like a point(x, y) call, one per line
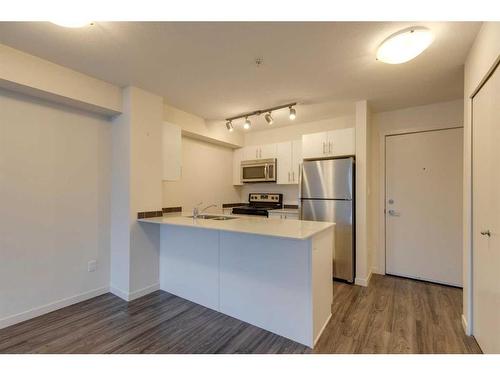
point(142, 292)
point(37, 311)
point(135, 294)
point(465, 326)
point(321, 330)
point(363, 282)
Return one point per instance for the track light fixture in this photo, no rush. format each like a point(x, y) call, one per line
point(268, 117)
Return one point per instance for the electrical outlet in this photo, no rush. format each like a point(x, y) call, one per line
point(92, 265)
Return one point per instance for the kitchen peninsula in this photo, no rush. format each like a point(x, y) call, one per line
point(275, 274)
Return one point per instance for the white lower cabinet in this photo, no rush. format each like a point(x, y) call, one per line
point(284, 215)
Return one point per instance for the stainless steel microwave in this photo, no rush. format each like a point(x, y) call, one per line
point(263, 170)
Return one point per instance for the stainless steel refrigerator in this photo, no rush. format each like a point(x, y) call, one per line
point(327, 194)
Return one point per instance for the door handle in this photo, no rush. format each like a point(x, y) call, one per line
point(486, 233)
point(393, 213)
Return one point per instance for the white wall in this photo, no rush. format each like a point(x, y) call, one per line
point(363, 167)
point(55, 165)
point(483, 54)
point(433, 116)
point(206, 177)
point(136, 186)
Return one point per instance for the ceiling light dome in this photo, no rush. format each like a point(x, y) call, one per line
point(404, 45)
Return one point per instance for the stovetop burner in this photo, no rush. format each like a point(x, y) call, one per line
point(260, 203)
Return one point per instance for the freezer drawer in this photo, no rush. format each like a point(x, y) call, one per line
point(341, 213)
point(328, 179)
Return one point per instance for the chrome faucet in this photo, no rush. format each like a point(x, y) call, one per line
point(197, 212)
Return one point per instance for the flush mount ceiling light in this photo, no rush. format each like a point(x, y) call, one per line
point(247, 123)
point(404, 45)
point(268, 117)
point(73, 23)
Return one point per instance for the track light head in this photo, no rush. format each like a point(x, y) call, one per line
point(269, 118)
point(229, 126)
point(247, 123)
point(293, 113)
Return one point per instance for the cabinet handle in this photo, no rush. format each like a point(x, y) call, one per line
point(256, 153)
point(293, 176)
point(330, 147)
point(288, 176)
point(324, 147)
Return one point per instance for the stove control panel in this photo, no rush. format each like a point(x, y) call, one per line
point(265, 198)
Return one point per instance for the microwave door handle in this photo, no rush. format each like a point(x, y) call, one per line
point(266, 172)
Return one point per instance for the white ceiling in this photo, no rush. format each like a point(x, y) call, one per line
point(208, 68)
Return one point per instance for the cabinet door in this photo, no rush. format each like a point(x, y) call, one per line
point(314, 145)
point(171, 151)
point(267, 151)
point(284, 163)
point(296, 161)
point(275, 215)
point(342, 142)
point(237, 158)
point(251, 152)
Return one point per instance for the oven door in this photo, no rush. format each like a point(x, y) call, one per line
point(258, 170)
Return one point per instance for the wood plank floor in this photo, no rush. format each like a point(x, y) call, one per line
point(393, 315)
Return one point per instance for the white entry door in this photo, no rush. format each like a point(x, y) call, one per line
point(424, 205)
point(486, 215)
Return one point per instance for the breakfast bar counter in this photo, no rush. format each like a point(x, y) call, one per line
point(275, 274)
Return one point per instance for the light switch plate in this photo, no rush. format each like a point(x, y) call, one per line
point(92, 266)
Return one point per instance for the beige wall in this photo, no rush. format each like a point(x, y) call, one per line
point(433, 116)
point(483, 54)
point(55, 165)
point(207, 170)
point(34, 76)
point(197, 127)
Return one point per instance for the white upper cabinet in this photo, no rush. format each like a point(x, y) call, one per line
point(296, 160)
point(237, 158)
point(340, 142)
point(259, 152)
point(289, 157)
point(171, 151)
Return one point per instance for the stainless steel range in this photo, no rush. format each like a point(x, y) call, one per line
point(259, 204)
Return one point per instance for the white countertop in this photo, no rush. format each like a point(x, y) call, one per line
point(296, 229)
